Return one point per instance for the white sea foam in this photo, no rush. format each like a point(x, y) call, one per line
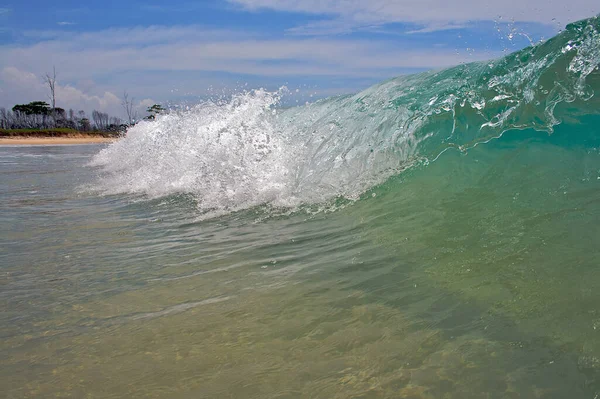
point(227, 154)
point(244, 152)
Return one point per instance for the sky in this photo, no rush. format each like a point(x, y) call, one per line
point(183, 51)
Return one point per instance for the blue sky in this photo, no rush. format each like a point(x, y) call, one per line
point(186, 50)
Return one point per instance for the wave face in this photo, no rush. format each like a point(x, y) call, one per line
point(247, 151)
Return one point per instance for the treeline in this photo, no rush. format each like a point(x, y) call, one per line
point(39, 115)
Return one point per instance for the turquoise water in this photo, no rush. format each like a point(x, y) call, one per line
point(435, 236)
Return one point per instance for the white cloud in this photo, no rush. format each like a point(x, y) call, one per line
point(151, 62)
point(113, 52)
point(348, 15)
point(169, 61)
point(65, 23)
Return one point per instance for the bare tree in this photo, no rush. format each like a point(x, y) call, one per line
point(129, 108)
point(114, 120)
point(100, 120)
point(4, 118)
point(51, 82)
point(84, 125)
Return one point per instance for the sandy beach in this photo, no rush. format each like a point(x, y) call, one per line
point(54, 140)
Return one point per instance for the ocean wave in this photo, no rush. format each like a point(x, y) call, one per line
point(248, 151)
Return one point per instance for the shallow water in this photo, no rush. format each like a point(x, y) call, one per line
point(435, 236)
point(472, 277)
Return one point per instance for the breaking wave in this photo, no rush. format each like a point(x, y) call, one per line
point(249, 151)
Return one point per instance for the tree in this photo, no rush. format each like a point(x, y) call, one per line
point(153, 111)
point(80, 116)
point(33, 108)
point(129, 108)
point(84, 124)
point(100, 120)
point(36, 115)
point(60, 117)
point(5, 118)
point(32, 115)
point(51, 82)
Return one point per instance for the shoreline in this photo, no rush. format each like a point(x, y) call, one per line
point(25, 140)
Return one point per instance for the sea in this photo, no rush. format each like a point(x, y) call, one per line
point(436, 235)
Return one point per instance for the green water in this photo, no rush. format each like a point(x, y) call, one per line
point(472, 274)
point(475, 276)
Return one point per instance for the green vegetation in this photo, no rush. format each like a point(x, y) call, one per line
point(34, 108)
point(39, 119)
point(45, 120)
point(56, 132)
point(153, 111)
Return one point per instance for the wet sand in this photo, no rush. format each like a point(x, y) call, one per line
point(54, 140)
